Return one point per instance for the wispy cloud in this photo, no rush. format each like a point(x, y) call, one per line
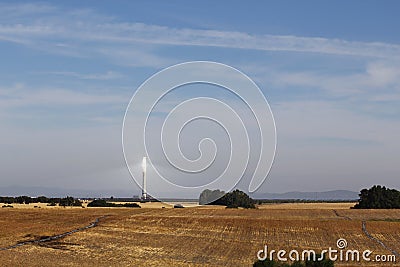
point(33, 106)
point(373, 81)
point(86, 33)
point(22, 96)
point(25, 10)
point(78, 28)
point(376, 78)
point(109, 75)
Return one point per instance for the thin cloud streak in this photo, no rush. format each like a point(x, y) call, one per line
point(109, 75)
point(21, 96)
point(102, 31)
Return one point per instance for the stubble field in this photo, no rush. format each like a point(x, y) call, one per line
point(197, 236)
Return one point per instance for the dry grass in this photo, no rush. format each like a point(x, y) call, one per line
point(201, 236)
point(319, 206)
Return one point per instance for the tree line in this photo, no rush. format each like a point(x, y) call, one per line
point(66, 201)
point(104, 203)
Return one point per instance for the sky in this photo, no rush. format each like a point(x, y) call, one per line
point(330, 72)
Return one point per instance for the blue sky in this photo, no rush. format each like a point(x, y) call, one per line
point(330, 71)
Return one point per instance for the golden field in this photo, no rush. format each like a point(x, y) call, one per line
point(196, 236)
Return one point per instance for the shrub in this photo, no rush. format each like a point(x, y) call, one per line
point(132, 205)
point(42, 199)
point(99, 203)
point(309, 263)
point(23, 200)
point(70, 201)
point(235, 199)
point(104, 203)
point(208, 196)
point(378, 197)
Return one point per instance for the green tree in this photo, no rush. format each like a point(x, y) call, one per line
point(42, 199)
point(104, 203)
point(69, 201)
point(378, 197)
point(23, 200)
point(323, 263)
point(99, 203)
point(235, 199)
point(208, 196)
point(309, 263)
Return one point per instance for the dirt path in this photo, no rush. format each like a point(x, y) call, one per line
point(364, 229)
point(55, 237)
point(341, 216)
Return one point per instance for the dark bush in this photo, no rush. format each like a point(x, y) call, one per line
point(309, 263)
point(42, 199)
point(23, 200)
point(235, 199)
point(208, 196)
point(378, 197)
point(131, 205)
point(104, 203)
point(99, 203)
point(7, 200)
point(69, 201)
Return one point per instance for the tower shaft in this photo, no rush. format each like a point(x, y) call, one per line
point(144, 169)
point(144, 193)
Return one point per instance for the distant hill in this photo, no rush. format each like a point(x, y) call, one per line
point(327, 195)
point(34, 191)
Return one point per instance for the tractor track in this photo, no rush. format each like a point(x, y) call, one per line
point(341, 216)
point(364, 229)
point(55, 237)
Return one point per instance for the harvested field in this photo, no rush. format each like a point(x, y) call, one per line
point(199, 236)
